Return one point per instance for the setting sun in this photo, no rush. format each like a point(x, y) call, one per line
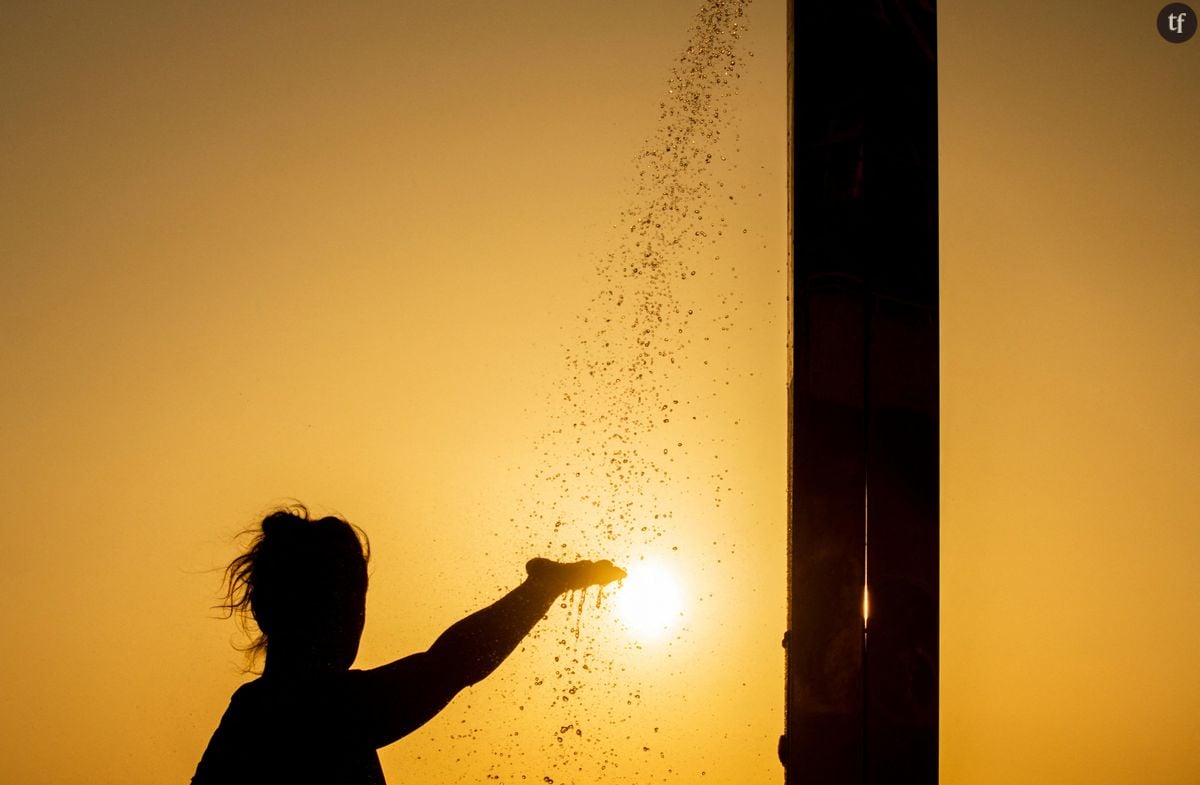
point(650, 601)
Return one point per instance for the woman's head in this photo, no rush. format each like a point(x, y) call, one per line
point(304, 582)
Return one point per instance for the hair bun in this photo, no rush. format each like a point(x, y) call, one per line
point(286, 522)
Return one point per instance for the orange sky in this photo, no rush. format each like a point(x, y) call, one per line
point(1070, 343)
point(256, 254)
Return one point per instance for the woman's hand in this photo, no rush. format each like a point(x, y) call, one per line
point(561, 577)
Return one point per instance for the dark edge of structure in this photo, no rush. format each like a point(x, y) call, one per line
point(862, 701)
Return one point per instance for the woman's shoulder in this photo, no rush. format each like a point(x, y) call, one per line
point(249, 693)
point(293, 696)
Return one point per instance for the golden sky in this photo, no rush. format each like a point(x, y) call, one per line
point(338, 254)
point(256, 253)
point(1070, 187)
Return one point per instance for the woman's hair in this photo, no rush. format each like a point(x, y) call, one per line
point(299, 578)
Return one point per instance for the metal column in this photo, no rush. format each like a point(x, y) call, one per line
point(862, 699)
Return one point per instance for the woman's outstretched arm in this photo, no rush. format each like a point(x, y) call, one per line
point(403, 695)
point(474, 647)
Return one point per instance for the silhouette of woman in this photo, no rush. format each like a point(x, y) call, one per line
point(311, 719)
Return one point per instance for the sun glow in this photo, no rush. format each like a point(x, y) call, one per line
point(650, 601)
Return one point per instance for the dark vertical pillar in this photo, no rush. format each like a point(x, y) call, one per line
point(864, 497)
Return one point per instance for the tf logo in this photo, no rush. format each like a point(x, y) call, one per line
point(1176, 23)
